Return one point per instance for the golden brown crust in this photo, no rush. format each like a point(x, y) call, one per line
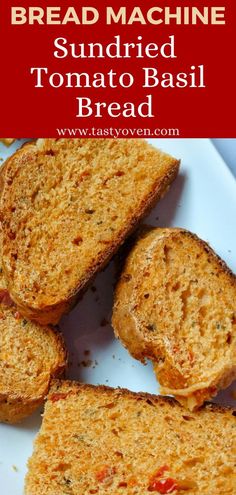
point(50, 313)
point(182, 363)
point(76, 387)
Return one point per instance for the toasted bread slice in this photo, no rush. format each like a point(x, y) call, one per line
point(175, 304)
point(97, 440)
point(7, 141)
point(30, 355)
point(67, 205)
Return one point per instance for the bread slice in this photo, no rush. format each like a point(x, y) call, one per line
point(67, 205)
point(30, 355)
point(7, 141)
point(175, 304)
point(98, 440)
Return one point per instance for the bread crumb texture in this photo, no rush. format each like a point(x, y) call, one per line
point(66, 206)
point(175, 304)
point(30, 355)
point(96, 440)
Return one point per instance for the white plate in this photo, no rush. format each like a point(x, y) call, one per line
point(202, 199)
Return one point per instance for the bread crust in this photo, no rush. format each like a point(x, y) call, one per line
point(128, 328)
point(51, 313)
point(74, 386)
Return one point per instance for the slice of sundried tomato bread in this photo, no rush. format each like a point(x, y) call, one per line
point(30, 355)
point(67, 205)
point(98, 440)
point(175, 304)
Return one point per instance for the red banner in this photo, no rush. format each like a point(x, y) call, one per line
point(104, 69)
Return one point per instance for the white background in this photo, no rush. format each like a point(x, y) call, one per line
point(227, 149)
